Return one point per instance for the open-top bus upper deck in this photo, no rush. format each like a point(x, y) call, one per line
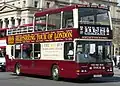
point(78, 44)
point(69, 8)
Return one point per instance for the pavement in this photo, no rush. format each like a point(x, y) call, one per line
point(116, 71)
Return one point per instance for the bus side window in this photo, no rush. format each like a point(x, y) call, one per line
point(18, 51)
point(39, 21)
point(37, 53)
point(68, 51)
point(12, 51)
point(67, 20)
point(54, 20)
point(26, 51)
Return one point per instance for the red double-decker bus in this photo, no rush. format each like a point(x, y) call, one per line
point(74, 42)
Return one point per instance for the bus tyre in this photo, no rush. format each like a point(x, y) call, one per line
point(55, 73)
point(17, 69)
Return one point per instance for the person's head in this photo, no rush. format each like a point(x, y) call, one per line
point(70, 52)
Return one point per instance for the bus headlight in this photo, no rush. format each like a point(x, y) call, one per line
point(103, 67)
point(90, 68)
point(83, 71)
point(110, 69)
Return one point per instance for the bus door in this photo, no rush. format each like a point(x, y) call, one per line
point(22, 53)
point(69, 65)
point(9, 59)
point(35, 56)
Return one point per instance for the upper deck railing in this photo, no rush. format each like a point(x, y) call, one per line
point(20, 30)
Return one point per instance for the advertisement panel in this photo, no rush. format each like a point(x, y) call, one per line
point(48, 36)
point(52, 51)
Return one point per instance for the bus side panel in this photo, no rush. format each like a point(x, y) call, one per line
point(68, 69)
point(43, 67)
point(26, 66)
point(9, 64)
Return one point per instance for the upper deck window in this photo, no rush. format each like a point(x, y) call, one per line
point(67, 19)
point(41, 20)
point(93, 16)
point(55, 20)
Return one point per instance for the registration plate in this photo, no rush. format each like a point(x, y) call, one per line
point(97, 75)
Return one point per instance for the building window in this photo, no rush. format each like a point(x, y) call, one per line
point(24, 2)
point(1, 23)
point(48, 4)
point(6, 22)
point(23, 21)
point(36, 4)
point(13, 21)
point(18, 2)
point(19, 21)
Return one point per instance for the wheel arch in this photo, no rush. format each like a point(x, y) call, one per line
point(17, 63)
point(52, 67)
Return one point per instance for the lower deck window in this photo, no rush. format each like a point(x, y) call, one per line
point(37, 54)
point(68, 51)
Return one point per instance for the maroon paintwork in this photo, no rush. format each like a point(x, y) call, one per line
point(3, 29)
point(47, 36)
point(67, 69)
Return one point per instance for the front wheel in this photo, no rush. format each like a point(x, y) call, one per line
point(17, 69)
point(55, 73)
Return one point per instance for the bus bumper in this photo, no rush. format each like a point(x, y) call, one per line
point(92, 75)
